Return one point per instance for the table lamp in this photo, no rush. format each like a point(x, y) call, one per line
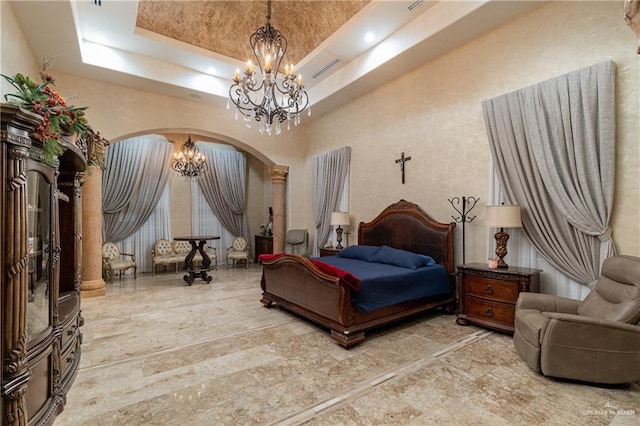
point(339, 218)
point(503, 216)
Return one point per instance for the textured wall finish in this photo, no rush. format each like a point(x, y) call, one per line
point(225, 26)
point(436, 111)
point(12, 56)
point(435, 108)
point(145, 112)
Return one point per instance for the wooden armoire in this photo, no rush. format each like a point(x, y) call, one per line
point(41, 260)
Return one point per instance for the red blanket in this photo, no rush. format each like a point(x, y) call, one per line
point(346, 277)
point(268, 257)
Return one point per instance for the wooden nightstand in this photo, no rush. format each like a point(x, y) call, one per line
point(487, 297)
point(329, 251)
point(264, 245)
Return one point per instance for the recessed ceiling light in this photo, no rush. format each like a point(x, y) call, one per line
point(369, 37)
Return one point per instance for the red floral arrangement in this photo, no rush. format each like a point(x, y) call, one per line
point(58, 117)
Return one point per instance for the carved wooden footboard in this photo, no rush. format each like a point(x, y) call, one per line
point(296, 284)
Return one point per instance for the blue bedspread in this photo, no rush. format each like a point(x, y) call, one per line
point(386, 285)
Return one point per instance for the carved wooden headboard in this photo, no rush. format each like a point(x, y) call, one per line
point(405, 226)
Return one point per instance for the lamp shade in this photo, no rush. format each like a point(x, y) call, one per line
point(340, 218)
point(504, 216)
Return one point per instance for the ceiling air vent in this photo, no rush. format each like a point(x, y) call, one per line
point(415, 4)
point(325, 68)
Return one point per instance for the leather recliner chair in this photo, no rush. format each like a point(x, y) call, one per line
point(596, 340)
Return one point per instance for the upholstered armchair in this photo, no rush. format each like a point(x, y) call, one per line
point(162, 254)
point(239, 251)
point(297, 242)
point(595, 340)
point(115, 260)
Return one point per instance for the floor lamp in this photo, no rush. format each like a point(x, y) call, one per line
point(503, 216)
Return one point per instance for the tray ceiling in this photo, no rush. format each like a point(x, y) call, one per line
point(225, 26)
point(191, 49)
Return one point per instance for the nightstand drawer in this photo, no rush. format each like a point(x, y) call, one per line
point(488, 297)
point(485, 310)
point(492, 289)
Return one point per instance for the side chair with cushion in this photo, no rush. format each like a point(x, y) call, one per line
point(239, 251)
point(114, 260)
point(297, 242)
point(596, 340)
point(182, 249)
point(162, 254)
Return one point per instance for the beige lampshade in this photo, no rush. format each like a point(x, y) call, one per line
point(504, 216)
point(340, 218)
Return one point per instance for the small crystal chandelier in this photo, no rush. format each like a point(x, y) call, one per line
point(189, 162)
point(268, 100)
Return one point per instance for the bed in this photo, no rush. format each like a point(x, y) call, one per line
point(323, 292)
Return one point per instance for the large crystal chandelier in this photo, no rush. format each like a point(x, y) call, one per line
point(272, 98)
point(189, 162)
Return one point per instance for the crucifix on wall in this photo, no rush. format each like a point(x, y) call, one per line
point(402, 160)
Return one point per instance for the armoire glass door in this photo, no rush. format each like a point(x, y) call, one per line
point(39, 247)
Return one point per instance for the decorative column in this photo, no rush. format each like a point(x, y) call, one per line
point(92, 283)
point(278, 180)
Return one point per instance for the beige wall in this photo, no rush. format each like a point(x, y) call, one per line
point(15, 54)
point(119, 112)
point(145, 112)
point(258, 199)
point(437, 110)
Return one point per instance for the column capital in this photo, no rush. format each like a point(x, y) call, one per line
point(278, 173)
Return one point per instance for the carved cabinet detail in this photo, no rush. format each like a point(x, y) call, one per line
point(41, 260)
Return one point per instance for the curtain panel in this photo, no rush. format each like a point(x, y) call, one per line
point(330, 171)
point(135, 176)
point(205, 222)
point(524, 254)
point(553, 144)
point(224, 187)
point(157, 226)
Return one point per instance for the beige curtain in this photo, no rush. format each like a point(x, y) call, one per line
point(224, 187)
point(329, 173)
point(553, 146)
point(135, 176)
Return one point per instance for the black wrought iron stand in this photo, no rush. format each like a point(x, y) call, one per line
point(463, 218)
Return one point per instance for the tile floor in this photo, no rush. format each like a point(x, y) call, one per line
point(158, 352)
